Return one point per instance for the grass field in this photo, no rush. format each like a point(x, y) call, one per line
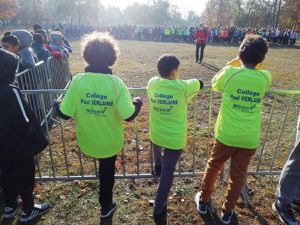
point(76, 203)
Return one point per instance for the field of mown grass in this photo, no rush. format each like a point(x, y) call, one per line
point(76, 202)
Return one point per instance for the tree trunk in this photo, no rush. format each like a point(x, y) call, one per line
point(274, 12)
point(220, 12)
point(248, 14)
point(239, 7)
point(278, 13)
point(35, 10)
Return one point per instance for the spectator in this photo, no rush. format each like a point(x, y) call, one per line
point(7, 33)
point(100, 102)
point(200, 36)
point(1, 27)
point(66, 43)
point(293, 37)
point(169, 98)
point(37, 27)
point(11, 43)
point(26, 53)
point(241, 108)
point(42, 53)
point(20, 141)
point(56, 42)
point(288, 191)
point(57, 55)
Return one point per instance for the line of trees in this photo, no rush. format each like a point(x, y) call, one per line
point(155, 12)
point(265, 13)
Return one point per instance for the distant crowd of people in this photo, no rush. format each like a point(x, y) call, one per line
point(39, 45)
point(216, 35)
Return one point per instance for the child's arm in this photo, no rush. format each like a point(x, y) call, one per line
point(193, 87)
point(218, 81)
point(127, 109)
point(201, 84)
point(56, 107)
point(137, 102)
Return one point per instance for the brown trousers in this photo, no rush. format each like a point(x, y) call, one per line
point(240, 159)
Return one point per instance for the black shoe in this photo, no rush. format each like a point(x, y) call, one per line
point(38, 210)
point(162, 218)
point(157, 171)
point(226, 218)
point(9, 212)
point(286, 216)
point(107, 212)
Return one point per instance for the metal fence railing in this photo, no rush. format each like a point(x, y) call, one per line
point(60, 73)
point(64, 161)
point(52, 74)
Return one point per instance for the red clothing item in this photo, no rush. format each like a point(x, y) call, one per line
point(226, 33)
point(201, 36)
point(57, 55)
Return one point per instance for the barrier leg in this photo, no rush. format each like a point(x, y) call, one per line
point(245, 195)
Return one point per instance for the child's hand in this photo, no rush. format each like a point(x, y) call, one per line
point(138, 100)
point(56, 105)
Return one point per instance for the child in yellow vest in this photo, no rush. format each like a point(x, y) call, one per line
point(100, 102)
point(169, 97)
point(237, 130)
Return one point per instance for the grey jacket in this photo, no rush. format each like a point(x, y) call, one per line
point(26, 53)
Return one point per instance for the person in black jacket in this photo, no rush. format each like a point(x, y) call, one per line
point(21, 138)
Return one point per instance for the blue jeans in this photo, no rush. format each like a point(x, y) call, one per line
point(289, 182)
point(168, 162)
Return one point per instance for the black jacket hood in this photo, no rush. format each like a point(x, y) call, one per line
point(8, 66)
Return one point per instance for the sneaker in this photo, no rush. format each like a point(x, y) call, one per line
point(38, 210)
point(201, 206)
point(157, 171)
point(286, 216)
point(9, 212)
point(106, 212)
point(226, 218)
point(162, 218)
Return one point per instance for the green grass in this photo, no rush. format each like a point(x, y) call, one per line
point(137, 62)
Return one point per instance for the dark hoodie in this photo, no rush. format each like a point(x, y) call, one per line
point(21, 135)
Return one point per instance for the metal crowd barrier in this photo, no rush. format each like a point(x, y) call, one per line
point(53, 74)
point(60, 71)
point(64, 161)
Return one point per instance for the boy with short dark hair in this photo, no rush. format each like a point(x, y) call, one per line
point(237, 129)
point(11, 43)
point(169, 97)
point(100, 102)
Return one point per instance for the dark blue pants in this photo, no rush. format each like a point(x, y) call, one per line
point(198, 47)
point(167, 161)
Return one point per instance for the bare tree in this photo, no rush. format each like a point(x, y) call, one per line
point(278, 13)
